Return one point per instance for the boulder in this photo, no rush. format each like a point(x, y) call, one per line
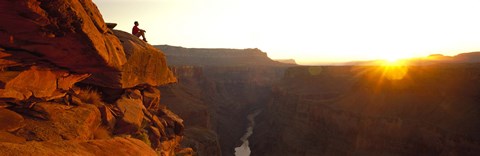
point(116, 146)
point(10, 120)
point(165, 113)
point(39, 82)
point(169, 147)
point(158, 124)
point(185, 152)
point(174, 124)
point(61, 122)
point(132, 117)
point(145, 65)
point(111, 25)
point(151, 98)
point(69, 34)
point(107, 117)
point(9, 137)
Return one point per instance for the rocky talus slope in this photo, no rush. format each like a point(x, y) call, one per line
point(71, 86)
point(432, 110)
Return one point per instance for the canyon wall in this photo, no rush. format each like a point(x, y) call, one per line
point(217, 100)
point(364, 110)
point(71, 86)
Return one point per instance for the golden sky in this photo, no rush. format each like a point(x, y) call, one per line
point(308, 31)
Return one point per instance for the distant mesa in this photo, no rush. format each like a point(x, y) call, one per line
point(469, 57)
point(287, 61)
point(436, 56)
point(178, 56)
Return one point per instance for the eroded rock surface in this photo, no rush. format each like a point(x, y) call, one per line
point(69, 85)
point(37, 82)
point(69, 34)
point(55, 122)
point(10, 121)
point(115, 146)
point(145, 65)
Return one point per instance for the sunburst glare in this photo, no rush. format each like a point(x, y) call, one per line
point(394, 69)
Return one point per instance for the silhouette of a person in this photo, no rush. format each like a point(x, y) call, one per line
point(138, 32)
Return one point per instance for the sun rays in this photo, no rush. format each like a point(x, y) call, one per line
point(384, 74)
point(394, 69)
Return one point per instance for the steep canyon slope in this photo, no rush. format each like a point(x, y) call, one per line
point(216, 90)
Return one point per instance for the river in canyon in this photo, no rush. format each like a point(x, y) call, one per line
point(244, 149)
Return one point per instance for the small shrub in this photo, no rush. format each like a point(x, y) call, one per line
point(90, 96)
point(144, 137)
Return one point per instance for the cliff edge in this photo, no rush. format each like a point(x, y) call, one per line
point(69, 85)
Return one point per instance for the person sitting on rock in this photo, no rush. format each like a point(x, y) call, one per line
point(138, 32)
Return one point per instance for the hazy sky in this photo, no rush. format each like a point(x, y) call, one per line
point(307, 30)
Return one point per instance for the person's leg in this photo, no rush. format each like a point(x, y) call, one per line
point(138, 34)
point(142, 33)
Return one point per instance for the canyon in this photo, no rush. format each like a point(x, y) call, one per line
point(429, 109)
point(214, 96)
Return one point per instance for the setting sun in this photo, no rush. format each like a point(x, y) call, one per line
point(394, 62)
point(391, 59)
point(394, 69)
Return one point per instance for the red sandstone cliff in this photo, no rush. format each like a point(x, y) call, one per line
point(71, 86)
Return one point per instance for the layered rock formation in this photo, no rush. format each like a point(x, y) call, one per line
point(71, 86)
point(432, 110)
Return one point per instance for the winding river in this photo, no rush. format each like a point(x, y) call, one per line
point(244, 149)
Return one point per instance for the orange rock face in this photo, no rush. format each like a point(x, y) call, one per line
point(131, 116)
point(72, 35)
point(116, 146)
point(61, 122)
point(10, 121)
point(59, 64)
point(145, 65)
point(69, 34)
point(37, 82)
